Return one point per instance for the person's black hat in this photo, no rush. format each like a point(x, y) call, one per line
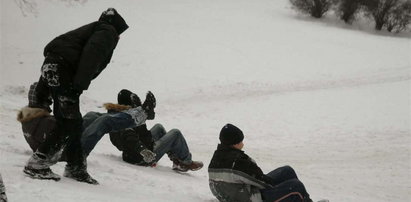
point(231, 135)
point(126, 97)
point(112, 17)
point(35, 101)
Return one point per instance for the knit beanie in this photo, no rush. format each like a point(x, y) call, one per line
point(112, 17)
point(231, 135)
point(35, 101)
point(126, 97)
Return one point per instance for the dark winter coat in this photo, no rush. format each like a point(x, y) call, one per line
point(234, 176)
point(37, 124)
point(86, 51)
point(130, 141)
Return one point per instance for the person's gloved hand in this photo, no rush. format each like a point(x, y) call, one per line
point(149, 105)
point(148, 156)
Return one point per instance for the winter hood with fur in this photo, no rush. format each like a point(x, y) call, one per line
point(37, 124)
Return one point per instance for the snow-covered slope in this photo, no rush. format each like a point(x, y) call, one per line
point(330, 100)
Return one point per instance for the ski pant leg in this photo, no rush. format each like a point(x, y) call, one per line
point(67, 113)
point(174, 143)
point(282, 174)
point(288, 191)
point(88, 119)
point(69, 125)
point(102, 125)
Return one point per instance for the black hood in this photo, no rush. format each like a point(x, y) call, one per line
point(112, 17)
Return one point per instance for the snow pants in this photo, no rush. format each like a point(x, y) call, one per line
point(286, 187)
point(55, 80)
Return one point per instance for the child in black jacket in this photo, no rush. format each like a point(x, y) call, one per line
point(234, 176)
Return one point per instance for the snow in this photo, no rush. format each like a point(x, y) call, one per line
point(331, 100)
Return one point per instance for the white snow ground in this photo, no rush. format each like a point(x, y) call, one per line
point(331, 100)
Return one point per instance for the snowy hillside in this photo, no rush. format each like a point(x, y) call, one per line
point(332, 101)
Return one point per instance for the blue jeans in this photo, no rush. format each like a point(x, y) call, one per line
point(286, 186)
point(171, 142)
point(96, 125)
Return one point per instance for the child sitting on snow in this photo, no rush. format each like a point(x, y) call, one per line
point(146, 147)
point(37, 124)
point(234, 176)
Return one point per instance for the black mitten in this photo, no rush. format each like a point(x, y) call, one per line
point(149, 105)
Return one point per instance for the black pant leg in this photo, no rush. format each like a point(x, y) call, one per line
point(69, 124)
point(73, 150)
point(281, 174)
point(43, 91)
point(66, 110)
point(288, 191)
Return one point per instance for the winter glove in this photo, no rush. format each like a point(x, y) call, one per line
point(149, 105)
point(148, 156)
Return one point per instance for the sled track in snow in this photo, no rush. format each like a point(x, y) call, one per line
point(244, 90)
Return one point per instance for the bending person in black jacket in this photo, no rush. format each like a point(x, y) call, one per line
point(72, 60)
point(234, 176)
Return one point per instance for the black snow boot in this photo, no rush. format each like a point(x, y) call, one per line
point(79, 173)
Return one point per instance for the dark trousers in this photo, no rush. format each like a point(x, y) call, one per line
point(286, 186)
point(55, 80)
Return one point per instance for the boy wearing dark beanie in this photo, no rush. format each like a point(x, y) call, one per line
point(234, 176)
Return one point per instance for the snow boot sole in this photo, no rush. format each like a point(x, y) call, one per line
point(42, 176)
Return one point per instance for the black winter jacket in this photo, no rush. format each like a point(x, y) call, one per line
point(37, 124)
point(86, 51)
point(132, 141)
point(234, 176)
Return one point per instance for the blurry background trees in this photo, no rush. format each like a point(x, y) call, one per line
point(30, 6)
point(316, 8)
point(392, 15)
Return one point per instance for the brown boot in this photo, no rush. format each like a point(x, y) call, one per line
point(182, 167)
